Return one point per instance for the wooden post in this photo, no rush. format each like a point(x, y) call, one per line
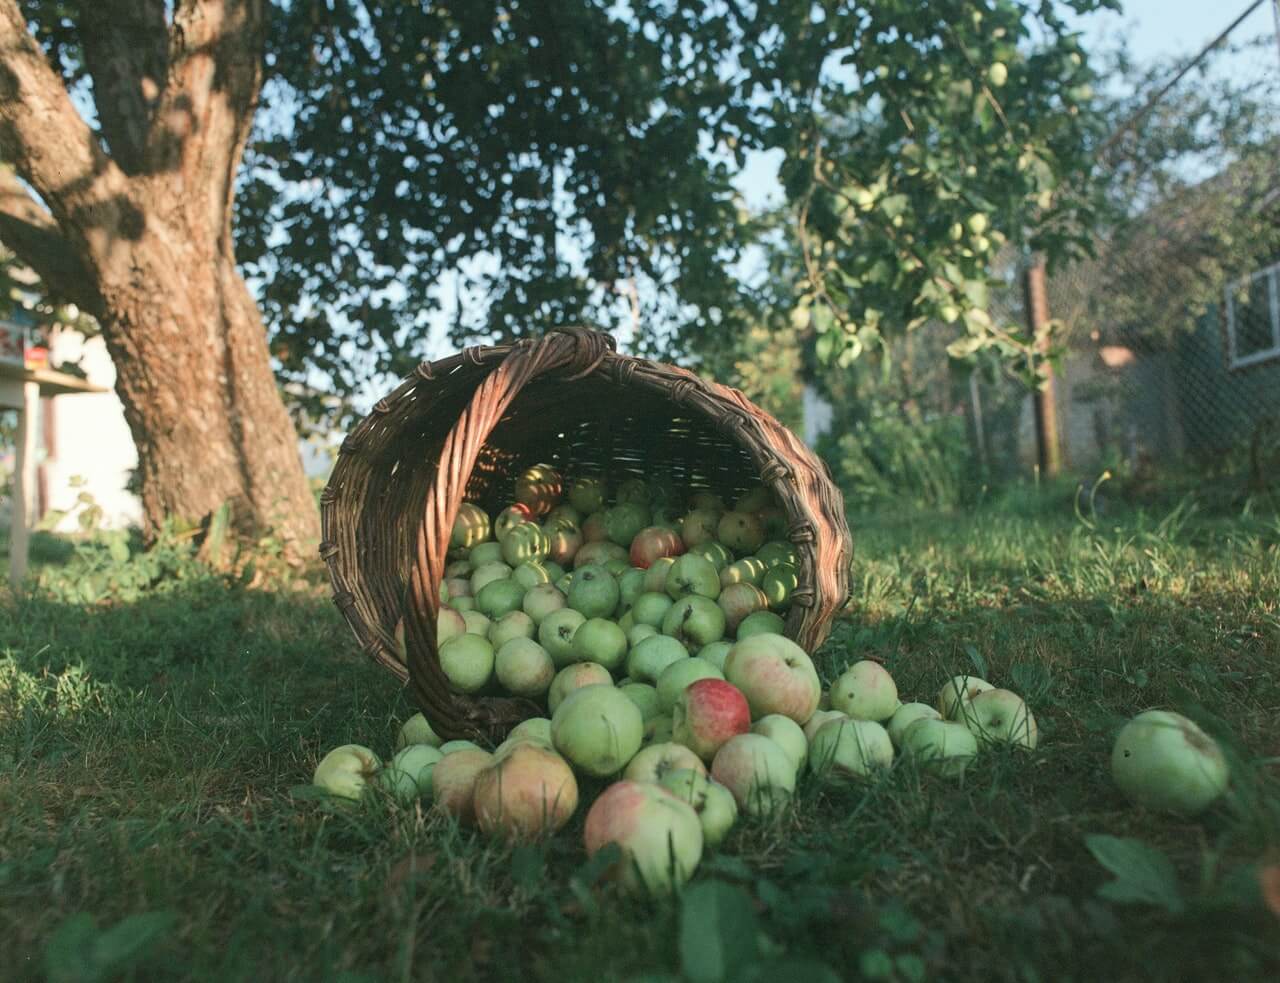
point(1046, 410)
point(24, 483)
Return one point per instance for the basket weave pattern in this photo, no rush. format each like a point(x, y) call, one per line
point(461, 429)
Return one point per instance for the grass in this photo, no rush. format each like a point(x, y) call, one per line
point(148, 752)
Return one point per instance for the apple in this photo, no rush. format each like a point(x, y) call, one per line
point(699, 527)
point(739, 600)
point(593, 529)
point(695, 621)
point(542, 600)
point(632, 491)
point(999, 716)
point(638, 633)
point(564, 542)
point(523, 542)
point(754, 499)
point(509, 518)
point(524, 668)
point(459, 568)
point(742, 532)
point(449, 624)
point(458, 587)
point(657, 730)
point(706, 714)
point(575, 677)
point(652, 763)
point(748, 570)
point(905, 716)
point(470, 526)
point(654, 543)
point(598, 729)
point(539, 488)
point(717, 812)
point(554, 570)
point(535, 729)
point(778, 583)
point(945, 745)
point(707, 500)
point(650, 609)
point(452, 747)
point(564, 583)
point(719, 554)
point(408, 775)
point(865, 691)
point(773, 553)
point(775, 675)
point(477, 623)
point(486, 574)
point(650, 656)
point(715, 653)
point(346, 771)
point(760, 623)
point(644, 696)
point(527, 793)
point(594, 593)
point(416, 730)
point(618, 566)
point(1163, 761)
point(630, 586)
point(517, 624)
point(958, 691)
point(850, 748)
point(787, 734)
point(678, 676)
point(453, 782)
point(531, 573)
point(483, 554)
point(692, 575)
point(563, 516)
point(556, 632)
point(600, 641)
point(587, 495)
point(499, 597)
point(599, 554)
point(820, 717)
point(655, 578)
point(759, 773)
point(467, 662)
point(443, 592)
point(463, 604)
point(660, 836)
point(623, 522)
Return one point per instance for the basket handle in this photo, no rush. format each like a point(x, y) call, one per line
point(575, 351)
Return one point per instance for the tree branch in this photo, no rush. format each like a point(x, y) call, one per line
point(30, 231)
point(126, 51)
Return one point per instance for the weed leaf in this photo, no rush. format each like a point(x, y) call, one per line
point(718, 932)
point(1144, 875)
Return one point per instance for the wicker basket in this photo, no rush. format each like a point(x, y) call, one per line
point(461, 428)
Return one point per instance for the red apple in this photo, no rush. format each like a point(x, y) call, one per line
point(739, 600)
point(653, 544)
point(707, 714)
point(776, 676)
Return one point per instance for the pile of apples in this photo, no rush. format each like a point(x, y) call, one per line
point(654, 640)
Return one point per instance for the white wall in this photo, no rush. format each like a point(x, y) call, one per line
point(92, 439)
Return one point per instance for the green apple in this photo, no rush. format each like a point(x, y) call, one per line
point(499, 597)
point(575, 677)
point(820, 717)
point(787, 734)
point(524, 668)
point(753, 499)
point(658, 730)
point(638, 633)
point(759, 773)
point(624, 521)
point(477, 623)
point(618, 566)
point(695, 621)
point(699, 526)
point(453, 747)
point(463, 604)
point(524, 542)
point(691, 574)
point(508, 519)
point(563, 543)
point(457, 587)
point(650, 609)
point(653, 762)
point(416, 730)
point(599, 554)
point(530, 574)
point(905, 716)
point(775, 552)
point(630, 586)
point(536, 729)
point(538, 488)
point(760, 623)
point(542, 600)
point(945, 745)
point(517, 624)
point(748, 570)
point(564, 516)
point(957, 692)
point(470, 526)
point(449, 624)
point(644, 696)
point(486, 574)
point(600, 641)
point(775, 675)
point(1163, 761)
point(777, 584)
point(587, 495)
point(458, 568)
point(660, 836)
point(865, 691)
point(556, 632)
point(715, 653)
point(598, 729)
point(714, 804)
point(483, 554)
point(679, 675)
point(467, 662)
point(594, 593)
point(554, 570)
point(346, 771)
point(719, 554)
point(999, 716)
point(706, 499)
point(737, 601)
point(850, 749)
point(650, 656)
point(742, 532)
point(453, 782)
point(408, 774)
point(633, 491)
point(655, 578)
point(526, 794)
point(593, 530)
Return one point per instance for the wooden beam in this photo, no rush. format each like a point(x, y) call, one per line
point(1046, 410)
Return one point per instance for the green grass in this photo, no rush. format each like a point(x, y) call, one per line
point(148, 752)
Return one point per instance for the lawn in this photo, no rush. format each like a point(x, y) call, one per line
point(149, 753)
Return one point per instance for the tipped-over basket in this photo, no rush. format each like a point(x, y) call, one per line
point(462, 429)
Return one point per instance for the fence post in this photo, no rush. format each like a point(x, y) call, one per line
point(1043, 398)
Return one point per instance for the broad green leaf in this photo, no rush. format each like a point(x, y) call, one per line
point(1143, 874)
point(128, 940)
point(718, 932)
point(68, 955)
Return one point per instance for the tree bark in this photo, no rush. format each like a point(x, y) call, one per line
point(142, 240)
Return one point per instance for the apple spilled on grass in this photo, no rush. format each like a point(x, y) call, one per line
point(651, 628)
